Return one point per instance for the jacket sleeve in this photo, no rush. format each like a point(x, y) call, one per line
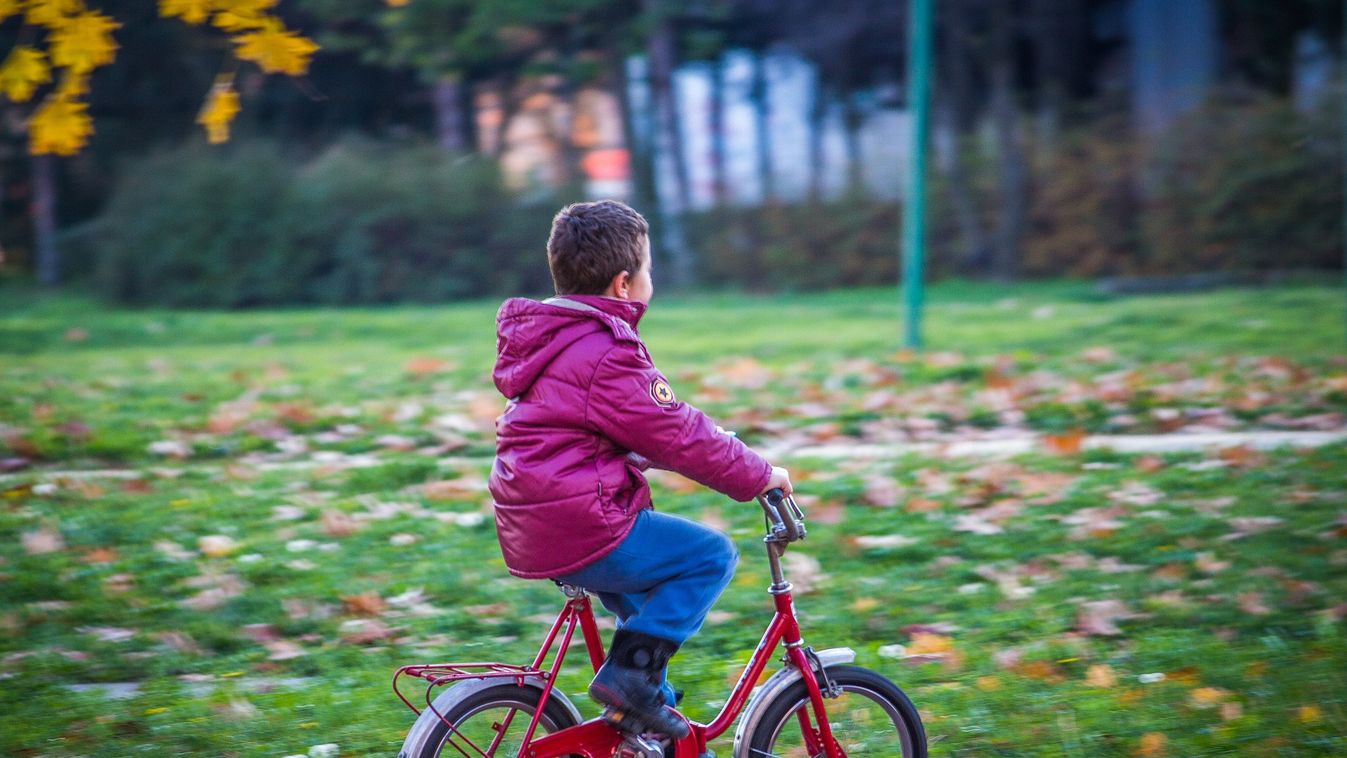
point(631, 403)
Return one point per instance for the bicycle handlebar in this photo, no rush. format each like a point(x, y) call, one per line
point(785, 519)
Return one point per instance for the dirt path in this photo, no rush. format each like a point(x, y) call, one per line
point(987, 448)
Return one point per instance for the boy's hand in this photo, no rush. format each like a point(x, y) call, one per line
point(780, 478)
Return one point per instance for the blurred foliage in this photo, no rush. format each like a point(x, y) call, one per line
point(1240, 186)
point(1247, 185)
point(360, 223)
point(846, 242)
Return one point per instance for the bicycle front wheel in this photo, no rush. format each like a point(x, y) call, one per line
point(486, 723)
point(872, 717)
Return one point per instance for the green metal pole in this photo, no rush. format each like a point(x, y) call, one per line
point(914, 206)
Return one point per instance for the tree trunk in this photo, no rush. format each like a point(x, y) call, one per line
point(450, 128)
point(719, 191)
point(636, 138)
point(661, 55)
point(955, 103)
point(853, 120)
point(1049, 36)
point(1010, 158)
point(818, 121)
point(44, 219)
point(761, 112)
point(509, 106)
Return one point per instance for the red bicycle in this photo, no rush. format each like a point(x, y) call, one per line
point(816, 706)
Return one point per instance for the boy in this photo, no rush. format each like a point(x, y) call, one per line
point(588, 412)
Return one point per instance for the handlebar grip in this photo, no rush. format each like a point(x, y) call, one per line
point(778, 507)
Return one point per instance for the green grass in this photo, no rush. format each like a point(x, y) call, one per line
point(271, 408)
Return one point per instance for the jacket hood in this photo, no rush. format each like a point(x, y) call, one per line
point(531, 334)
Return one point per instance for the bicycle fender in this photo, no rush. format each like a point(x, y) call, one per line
point(775, 685)
point(452, 695)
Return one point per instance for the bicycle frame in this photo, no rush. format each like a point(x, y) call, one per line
point(596, 738)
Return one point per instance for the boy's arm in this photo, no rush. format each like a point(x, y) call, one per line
point(631, 403)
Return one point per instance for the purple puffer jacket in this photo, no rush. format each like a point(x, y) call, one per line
point(583, 394)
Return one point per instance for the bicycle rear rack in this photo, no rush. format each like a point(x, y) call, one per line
point(439, 674)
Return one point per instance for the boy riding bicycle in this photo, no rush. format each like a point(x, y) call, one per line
point(589, 412)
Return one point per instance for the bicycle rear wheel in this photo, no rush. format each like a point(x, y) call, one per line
point(872, 717)
point(488, 723)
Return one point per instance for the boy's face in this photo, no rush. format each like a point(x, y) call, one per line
point(641, 287)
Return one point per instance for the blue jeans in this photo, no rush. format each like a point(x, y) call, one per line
point(664, 577)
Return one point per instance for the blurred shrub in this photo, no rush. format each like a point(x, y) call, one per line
point(813, 245)
point(1247, 185)
point(361, 223)
point(1240, 185)
point(1084, 210)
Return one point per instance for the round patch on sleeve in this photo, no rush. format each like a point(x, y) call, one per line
point(662, 392)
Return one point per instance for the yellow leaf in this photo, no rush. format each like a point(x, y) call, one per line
point(924, 643)
point(1308, 714)
point(1206, 697)
point(191, 11)
point(241, 15)
point(61, 125)
point(22, 72)
point(84, 42)
point(988, 683)
point(52, 13)
point(248, 7)
point(864, 604)
point(73, 85)
point(276, 49)
point(221, 106)
point(1101, 675)
point(1152, 744)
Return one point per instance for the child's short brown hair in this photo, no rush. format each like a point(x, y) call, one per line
point(593, 242)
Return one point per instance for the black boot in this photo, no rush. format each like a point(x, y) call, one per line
point(628, 683)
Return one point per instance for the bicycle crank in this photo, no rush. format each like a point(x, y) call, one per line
point(636, 746)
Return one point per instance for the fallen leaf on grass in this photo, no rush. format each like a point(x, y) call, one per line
point(46, 539)
point(1101, 675)
point(1242, 456)
point(1101, 617)
point(339, 523)
point(108, 633)
point(1249, 525)
point(218, 589)
point(864, 604)
point(881, 491)
point(975, 524)
point(805, 572)
point(462, 488)
point(1152, 745)
point(1066, 443)
point(179, 642)
point(364, 604)
point(1309, 714)
point(364, 631)
point(425, 366)
point(1208, 564)
point(170, 449)
point(216, 545)
point(1208, 697)
point(922, 505)
point(867, 541)
point(1252, 604)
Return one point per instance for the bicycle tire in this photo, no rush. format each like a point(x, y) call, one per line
point(777, 734)
point(499, 698)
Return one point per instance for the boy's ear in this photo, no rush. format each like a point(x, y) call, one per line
point(618, 286)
